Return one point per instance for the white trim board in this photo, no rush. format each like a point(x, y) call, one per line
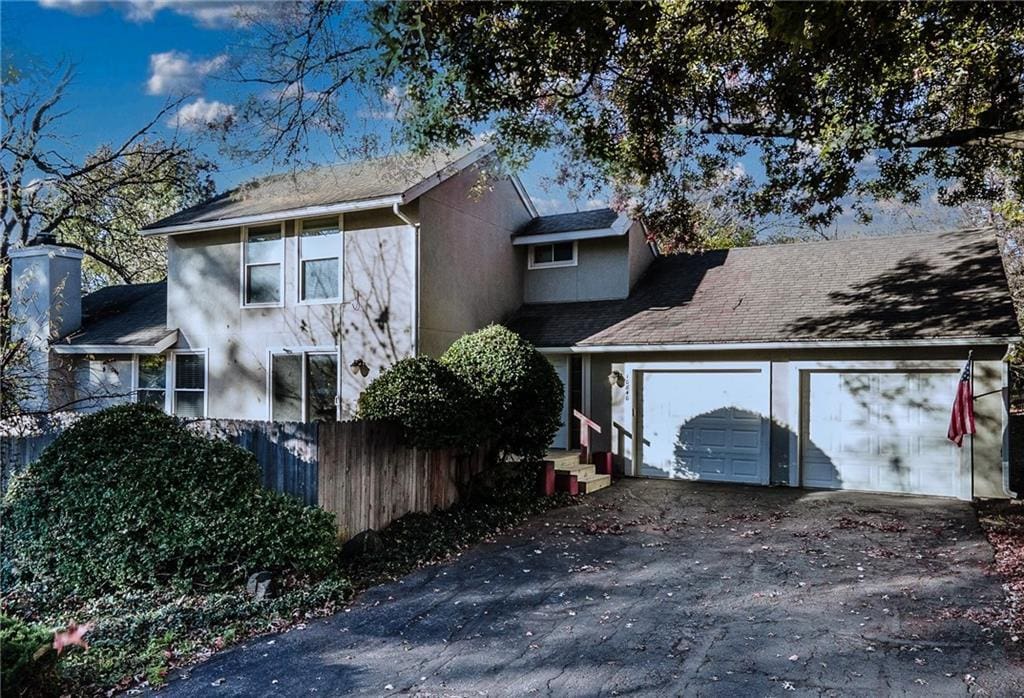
point(802, 344)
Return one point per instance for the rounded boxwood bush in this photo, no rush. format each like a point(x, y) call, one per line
point(520, 394)
point(435, 408)
point(131, 498)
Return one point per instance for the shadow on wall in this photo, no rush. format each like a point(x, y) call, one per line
point(901, 301)
point(730, 444)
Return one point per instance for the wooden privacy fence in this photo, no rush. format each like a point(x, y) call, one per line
point(368, 479)
point(358, 470)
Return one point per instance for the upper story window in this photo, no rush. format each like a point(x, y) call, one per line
point(319, 260)
point(558, 254)
point(263, 265)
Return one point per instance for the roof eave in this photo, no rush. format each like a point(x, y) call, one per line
point(158, 348)
point(619, 227)
point(276, 216)
point(801, 344)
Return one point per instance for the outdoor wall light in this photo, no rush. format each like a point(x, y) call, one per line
point(616, 379)
point(359, 368)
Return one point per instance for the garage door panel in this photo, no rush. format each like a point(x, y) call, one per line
point(881, 431)
point(709, 425)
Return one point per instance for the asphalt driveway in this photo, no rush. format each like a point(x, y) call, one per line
point(667, 588)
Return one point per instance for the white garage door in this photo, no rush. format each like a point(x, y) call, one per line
point(705, 424)
point(879, 431)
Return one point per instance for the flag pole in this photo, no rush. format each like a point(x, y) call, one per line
point(970, 367)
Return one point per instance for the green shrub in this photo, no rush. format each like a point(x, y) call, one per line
point(28, 661)
point(130, 498)
point(435, 408)
point(517, 388)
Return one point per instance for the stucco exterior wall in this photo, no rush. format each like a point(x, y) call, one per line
point(640, 253)
point(602, 272)
point(372, 322)
point(470, 274)
point(611, 406)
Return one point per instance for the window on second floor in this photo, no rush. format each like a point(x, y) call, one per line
point(263, 265)
point(558, 254)
point(319, 260)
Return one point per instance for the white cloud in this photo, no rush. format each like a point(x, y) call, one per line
point(202, 115)
point(210, 14)
point(77, 7)
point(388, 108)
point(174, 72)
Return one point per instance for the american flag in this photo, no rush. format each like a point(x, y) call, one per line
point(961, 422)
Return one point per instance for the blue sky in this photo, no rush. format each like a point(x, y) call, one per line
point(132, 56)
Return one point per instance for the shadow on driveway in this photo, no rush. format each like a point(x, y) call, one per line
point(666, 588)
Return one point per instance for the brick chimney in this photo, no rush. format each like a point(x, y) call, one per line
point(46, 305)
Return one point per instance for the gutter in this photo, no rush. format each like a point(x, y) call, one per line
point(807, 344)
point(395, 208)
point(274, 217)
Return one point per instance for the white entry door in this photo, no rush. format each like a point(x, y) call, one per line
point(879, 431)
point(706, 423)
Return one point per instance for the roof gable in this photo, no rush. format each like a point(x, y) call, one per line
point(377, 181)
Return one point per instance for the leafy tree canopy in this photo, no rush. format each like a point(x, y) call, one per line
point(837, 104)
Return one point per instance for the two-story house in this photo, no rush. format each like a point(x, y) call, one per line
point(825, 365)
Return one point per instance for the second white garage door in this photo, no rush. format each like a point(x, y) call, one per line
point(879, 431)
point(705, 423)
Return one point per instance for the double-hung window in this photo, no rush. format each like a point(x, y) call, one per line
point(189, 385)
point(319, 260)
point(263, 265)
point(558, 254)
point(304, 385)
point(152, 381)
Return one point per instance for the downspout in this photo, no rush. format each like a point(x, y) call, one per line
point(415, 277)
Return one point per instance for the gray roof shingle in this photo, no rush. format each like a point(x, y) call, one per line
point(934, 286)
point(126, 315)
point(569, 222)
point(320, 186)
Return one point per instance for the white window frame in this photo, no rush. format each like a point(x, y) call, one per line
point(553, 265)
point(245, 266)
point(167, 379)
point(305, 352)
point(173, 375)
point(299, 259)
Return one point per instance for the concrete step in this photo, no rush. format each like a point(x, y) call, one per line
point(589, 484)
point(563, 459)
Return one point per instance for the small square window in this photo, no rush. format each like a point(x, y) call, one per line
point(559, 254)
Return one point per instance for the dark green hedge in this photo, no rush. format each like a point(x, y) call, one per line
point(130, 498)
